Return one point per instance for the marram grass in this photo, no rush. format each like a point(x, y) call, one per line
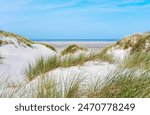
point(121, 84)
point(23, 40)
point(43, 65)
point(48, 46)
point(72, 49)
point(137, 60)
point(127, 85)
point(49, 87)
point(19, 38)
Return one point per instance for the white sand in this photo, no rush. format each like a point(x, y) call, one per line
point(89, 73)
point(17, 57)
point(90, 45)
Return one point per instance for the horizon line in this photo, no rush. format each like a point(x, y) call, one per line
point(75, 40)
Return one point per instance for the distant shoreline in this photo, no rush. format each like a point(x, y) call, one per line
point(59, 45)
point(75, 40)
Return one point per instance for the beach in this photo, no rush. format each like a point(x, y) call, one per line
point(25, 55)
point(59, 45)
point(29, 67)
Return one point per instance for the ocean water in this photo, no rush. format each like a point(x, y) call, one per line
point(77, 40)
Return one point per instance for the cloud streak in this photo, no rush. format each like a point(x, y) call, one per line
point(26, 5)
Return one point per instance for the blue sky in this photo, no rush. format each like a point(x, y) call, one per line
point(75, 19)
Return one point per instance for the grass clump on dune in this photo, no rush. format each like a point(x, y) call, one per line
point(137, 60)
point(18, 37)
point(71, 60)
point(42, 65)
point(51, 88)
point(121, 84)
point(48, 46)
point(103, 56)
point(72, 49)
point(126, 85)
point(137, 42)
point(22, 39)
point(1, 42)
point(48, 88)
point(73, 88)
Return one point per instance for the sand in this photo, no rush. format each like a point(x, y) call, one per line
point(59, 45)
point(17, 58)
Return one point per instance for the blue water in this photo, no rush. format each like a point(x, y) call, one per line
point(78, 40)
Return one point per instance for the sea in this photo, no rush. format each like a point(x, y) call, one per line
point(76, 40)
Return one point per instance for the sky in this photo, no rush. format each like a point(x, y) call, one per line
point(75, 19)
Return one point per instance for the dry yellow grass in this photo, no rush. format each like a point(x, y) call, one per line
point(72, 49)
point(24, 40)
point(137, 42)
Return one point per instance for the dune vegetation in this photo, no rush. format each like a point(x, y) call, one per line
point(21, 39)
point(137, 60)
point(130, 79)
point(126, 85)
point(120, 84)
point(72, 49)
point(123, 85)
point(18, 37)
point(1, 42)
point(137, 42)
point(48, 46)
point(43, 65)
point(51, 88)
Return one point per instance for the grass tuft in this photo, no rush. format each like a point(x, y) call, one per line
point(121, 84)
point(137, 60)
point(19, 38)
point(42, 65)
point(22, 39)
point(72, 49)
point(1, 42)
point(101, 56)
point(48, 87)
point(137, 42)
point(126, 85)
point(73, 88)
point(48, 46)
